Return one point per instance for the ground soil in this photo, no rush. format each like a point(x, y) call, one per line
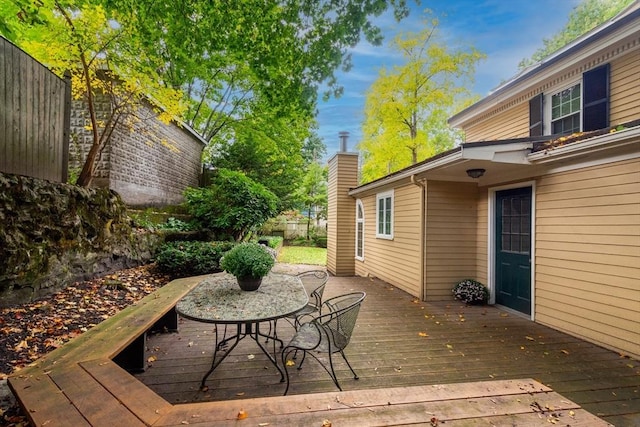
point(28, 331)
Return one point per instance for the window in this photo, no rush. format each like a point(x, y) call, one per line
point(565, 110)
point(359, 230)
point(581, 106)
point(384, 215)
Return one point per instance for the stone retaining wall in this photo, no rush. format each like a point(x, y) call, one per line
point(54, 234)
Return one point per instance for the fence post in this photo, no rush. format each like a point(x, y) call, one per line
point(66, 126)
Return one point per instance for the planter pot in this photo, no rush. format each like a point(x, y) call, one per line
point(249, 283)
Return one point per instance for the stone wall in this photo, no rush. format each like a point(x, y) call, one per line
point(149, 164)
point(54, 234)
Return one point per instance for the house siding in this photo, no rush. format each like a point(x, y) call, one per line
point(341, 214)
point(396, 261)
point(451, 237)
point(625, 89)
point(510, 119)
point(588, 254)
point(512, 123)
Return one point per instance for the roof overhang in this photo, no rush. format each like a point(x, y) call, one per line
point(452, 165)
point(505, 161)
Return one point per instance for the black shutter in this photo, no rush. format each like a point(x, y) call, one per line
point(595, 114)
point(535, 116)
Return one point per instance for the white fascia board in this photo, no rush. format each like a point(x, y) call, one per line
point(446, 160)
point(499, 153)
point(591, 145)
point(515, 153)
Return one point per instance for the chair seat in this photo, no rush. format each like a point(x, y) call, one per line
point(309, 338)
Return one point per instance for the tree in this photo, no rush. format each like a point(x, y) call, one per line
point(80, 38)
point(406, 108)
point(312, 192)
point(583, 18)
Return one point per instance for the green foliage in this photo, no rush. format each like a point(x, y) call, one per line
point(274, 242)
point(584, 17)
point(181, 259)
point(267, 150)
point(248, 260)
point(232, 205)
point(407, 108)
point(312, 192)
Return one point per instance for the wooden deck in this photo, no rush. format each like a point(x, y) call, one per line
point(463, 344)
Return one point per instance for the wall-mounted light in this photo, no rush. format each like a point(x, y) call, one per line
point(475, 173)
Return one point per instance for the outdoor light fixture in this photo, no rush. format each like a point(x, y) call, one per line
point(475, 173)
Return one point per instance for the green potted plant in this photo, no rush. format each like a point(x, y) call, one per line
point(249, 262)
point(471, 292)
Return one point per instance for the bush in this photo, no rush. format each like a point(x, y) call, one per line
point(471, 292)
point(232, 205)
point(248, 260)
point(182, 259)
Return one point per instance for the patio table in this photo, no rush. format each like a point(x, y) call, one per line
point(219, 300)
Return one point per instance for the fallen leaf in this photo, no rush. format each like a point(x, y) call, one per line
point(152, 359)
point(242, 414)
point(564, 351)
point(504, 315)
point(530, 338)
point(423, 334)
point(326, 423)
point(251, 356)
point(290, 363)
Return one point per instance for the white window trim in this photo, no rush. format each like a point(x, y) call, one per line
point(379, 196)
point(546, 119)
point(360, 206)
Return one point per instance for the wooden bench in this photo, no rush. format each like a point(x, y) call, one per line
point(80, 384)
point(85, 381)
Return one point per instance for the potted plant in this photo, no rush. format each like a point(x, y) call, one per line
point(249, 262)
point(471, 292)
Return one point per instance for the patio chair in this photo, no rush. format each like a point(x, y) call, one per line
point(314, 282)
point(328, 333)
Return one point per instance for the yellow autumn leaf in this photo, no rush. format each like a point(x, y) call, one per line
point(242, 414)
point(291, 363)
point(423, 334)
point(449, 346)
point(152, 359)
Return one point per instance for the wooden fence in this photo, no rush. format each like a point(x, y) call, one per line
point(35, 107)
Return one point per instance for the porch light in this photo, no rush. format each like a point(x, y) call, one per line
point(475, 173)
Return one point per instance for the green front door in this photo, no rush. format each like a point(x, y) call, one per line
point(513, 249)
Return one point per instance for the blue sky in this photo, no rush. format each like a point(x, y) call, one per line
point(505, 30)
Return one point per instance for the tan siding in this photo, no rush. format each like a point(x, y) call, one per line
point(588, 254)
point(452, 235)
point(343, 175)
point(513, 123)
point(395, 261)
point(625, 88)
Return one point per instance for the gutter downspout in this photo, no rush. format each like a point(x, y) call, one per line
point(423, 220)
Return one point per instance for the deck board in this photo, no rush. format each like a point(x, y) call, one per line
point(464, 344)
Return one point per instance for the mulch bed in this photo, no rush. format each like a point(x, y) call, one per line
point(29, 331)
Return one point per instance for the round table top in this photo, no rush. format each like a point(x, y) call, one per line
point(219, 299)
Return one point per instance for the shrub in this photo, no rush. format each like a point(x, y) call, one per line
point(182, 259)
point(248, 260)
point(232, 205)
point(471, 292)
